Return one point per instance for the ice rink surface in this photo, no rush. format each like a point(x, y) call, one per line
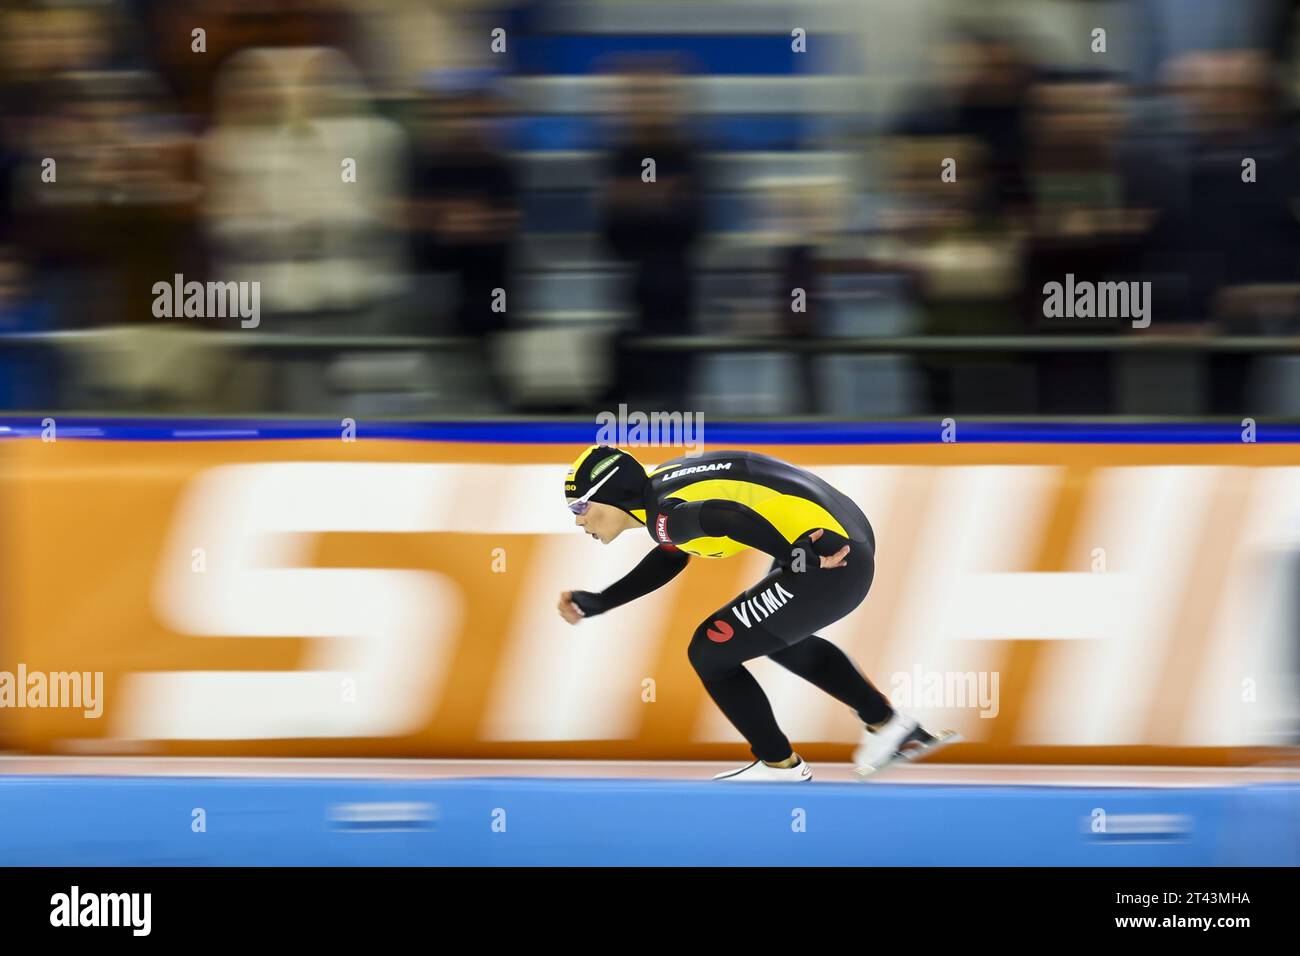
point(150, 811)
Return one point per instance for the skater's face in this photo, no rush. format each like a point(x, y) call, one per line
point(602, 522)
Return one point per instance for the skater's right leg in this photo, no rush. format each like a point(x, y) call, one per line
point(718, 652)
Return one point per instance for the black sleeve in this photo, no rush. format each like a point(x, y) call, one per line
point(731, 519)
point(654, 571)
point(719, 518)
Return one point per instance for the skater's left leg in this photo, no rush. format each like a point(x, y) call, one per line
point(837, 592)
point(824, 665)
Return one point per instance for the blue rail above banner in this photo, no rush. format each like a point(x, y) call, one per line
point(720, 434)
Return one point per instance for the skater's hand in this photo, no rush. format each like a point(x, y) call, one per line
point(568, 610)
point(837, 560)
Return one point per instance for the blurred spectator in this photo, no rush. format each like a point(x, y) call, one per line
point(1211, 227)
point(10, 162)
point(27, 372)
point(229, 27)
point(983, 95)
point(119, 169)
point(464, 214)
point(653, 227)
point(804, 223)
point(1221, 249)
point(1075, 127)
point(965, 262)
point(402, 41)
point(1082, 225)
point(300, 178)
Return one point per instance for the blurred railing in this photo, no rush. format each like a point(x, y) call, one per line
point(564, 366)
point(899, 345)
point(972, 343)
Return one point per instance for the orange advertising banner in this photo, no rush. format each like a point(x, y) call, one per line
point(308, 597)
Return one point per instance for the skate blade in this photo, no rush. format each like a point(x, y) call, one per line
point(913, 753)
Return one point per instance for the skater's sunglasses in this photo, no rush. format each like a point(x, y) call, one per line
point(582, 505)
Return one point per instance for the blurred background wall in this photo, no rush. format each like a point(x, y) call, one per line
point(444, 207)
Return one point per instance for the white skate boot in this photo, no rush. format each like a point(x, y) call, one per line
point(759, 772)
point(899, 738)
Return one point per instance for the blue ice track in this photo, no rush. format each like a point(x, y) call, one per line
point(147, 821)
point(721, 434)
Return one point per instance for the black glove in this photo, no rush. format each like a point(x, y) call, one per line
point(829, 543)
point(589, 604)
point(814, 551)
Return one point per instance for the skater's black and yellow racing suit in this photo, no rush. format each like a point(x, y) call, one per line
point(721, 503)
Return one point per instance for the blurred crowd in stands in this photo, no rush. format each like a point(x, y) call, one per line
point(475, 174)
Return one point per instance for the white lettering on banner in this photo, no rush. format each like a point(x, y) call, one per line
point(400, 625)
point(977, 520)
point(557, 682)
point(960, 602)
point(1254, 625)
point(392, 629)
point(1149, 519)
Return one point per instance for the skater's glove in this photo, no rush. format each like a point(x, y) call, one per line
point(814, 551)
point(828, 543)
point(589, 604)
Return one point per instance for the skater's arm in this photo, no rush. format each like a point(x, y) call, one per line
point(655, 570)
point(720, 518)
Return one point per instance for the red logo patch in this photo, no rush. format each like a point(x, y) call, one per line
point(661, 529)
point(722, 634)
